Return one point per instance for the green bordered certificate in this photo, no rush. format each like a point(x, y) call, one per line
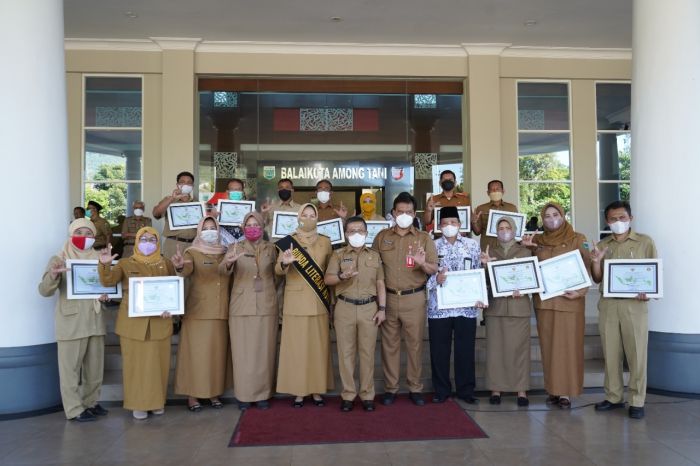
point(563, 273)
point(626, 278)
point(152, 296)
point(83, 281)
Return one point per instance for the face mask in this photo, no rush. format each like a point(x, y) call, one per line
point(88, 213)
point(252, 233)
point(209, 236)
point(147, 248)
point(82, 242)
point(553, 223)
point(505, 236)
point(284, 194)
point(404, 221)
point(450, 231)
point(619, 227)
point(495, 196)
point(448, 185)
point(138, 212)
point(323, 196)
point(307, 224)
point(357, 240)
point(186, 188)
point(368, 207)
point(235, 195)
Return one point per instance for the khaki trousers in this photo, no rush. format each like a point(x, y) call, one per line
point(624, 331)
point(405, 316)
point(356, 335)
point(80, 369)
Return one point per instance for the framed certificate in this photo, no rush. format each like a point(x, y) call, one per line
point(465, 217)
point(333, 229)
point(374, 227)
point(232, 213)
point(515, 274)
point(496, 215)
point(283, 224)
point(562, 273)
point(463, 288)
point(185, 215)
point(626, 278)
point(83, 281)
point(152, 296)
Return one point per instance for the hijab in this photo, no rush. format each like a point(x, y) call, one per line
point(69, 250)
point(308, 237)
point(368, 208)
point(153, 258)
point(508, 244)
point(257, 216)
point(198, 244)
point(564, 234)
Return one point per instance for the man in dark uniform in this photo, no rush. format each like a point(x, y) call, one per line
point(480, 219)
point(448, 197)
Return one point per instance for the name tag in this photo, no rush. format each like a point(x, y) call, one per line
point(349, 259)
point(208, 263)
point(388, 241)
point(248, 255)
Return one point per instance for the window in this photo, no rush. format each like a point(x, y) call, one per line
point(544, 146)
point(613, 107)
point(112, 145)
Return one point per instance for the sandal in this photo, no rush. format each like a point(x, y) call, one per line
point(298, 404)
point(217, 404)
point(564, 403)
point(320, 402)
point(552, 400)
point(195, 408)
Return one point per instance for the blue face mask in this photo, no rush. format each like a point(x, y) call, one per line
point(235, 195)
point(88, 213)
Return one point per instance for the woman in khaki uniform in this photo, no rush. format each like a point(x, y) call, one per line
point(560, 320)
point(80, 329)
point(507, 326)
point(202, 352)
point(144, 341)
point(305, 358)
point(252, 314)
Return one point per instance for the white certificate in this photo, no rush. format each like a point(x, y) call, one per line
point(333, 229)
point(284, 223)
point(562, 273)
point(465, 217)
point(83, 281)
point(373, 228)
point(152, 296)
point(232, 213)
point(496, 215)
point(510, 275)
point(462, 288)
point(626, 278)
point(185, 215)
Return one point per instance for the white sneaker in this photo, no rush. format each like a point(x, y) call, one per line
point(140, 415)
point(158, 412)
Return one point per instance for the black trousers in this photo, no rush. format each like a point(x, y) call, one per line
point(441, 332)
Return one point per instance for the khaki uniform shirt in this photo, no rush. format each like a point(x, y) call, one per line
point(188, 234)
point(131, 226)
point(278, 206)
point(104, 231)
point(458, 200)
point(327, 212)
point(208, 292)
point(508, 306)
point(490, 241)
point(368, 265)
point(245, 301)
point(393, 249)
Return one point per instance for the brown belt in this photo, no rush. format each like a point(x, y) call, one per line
point(357, 302)
point(405, 292)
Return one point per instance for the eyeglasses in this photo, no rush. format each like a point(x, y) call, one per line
point(148, 240)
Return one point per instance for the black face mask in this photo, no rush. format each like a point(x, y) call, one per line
point(284, 194)
point(448, 185)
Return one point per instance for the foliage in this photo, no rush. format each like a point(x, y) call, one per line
point(533, 193)
point(111, 196)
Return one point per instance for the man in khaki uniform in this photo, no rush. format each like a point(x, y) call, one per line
point(285, 203)
point(182, 193)
point(358, 276)
point(480, 219)
point(133, 224)
point(409, 257)
point(326, 209)
point(448, 197)
point(623, 322)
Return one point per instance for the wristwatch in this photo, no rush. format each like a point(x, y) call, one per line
point(382, 308)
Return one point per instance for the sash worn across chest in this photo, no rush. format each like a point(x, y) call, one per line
point(307, 268)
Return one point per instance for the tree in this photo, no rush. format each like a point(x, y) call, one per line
point(111, 196)
point(536, 188)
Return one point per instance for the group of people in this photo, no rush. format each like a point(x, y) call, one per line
point(237, 289)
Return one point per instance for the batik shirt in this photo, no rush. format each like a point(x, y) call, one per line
point(464, 254)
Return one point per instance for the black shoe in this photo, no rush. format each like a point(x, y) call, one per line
point(439, 398)
point(320, 402)
point(636, 412)
point(523, 401)
point(346, 406)
point(98, 410)
point(495, 399)
point(368, 405)
point(243, 405)
point(605, 405)
point(469, 399)
point(389, 398)
point(85, 416)
point(552, 400)
point(262, 404)
point(298, 404)
point(417, 398)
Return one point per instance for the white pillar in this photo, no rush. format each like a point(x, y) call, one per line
point(35, 182)
point(665, 175)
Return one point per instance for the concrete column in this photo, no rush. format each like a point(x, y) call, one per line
point(665, 167)
point(33, 95)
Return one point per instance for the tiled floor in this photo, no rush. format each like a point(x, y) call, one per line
point(670, 435)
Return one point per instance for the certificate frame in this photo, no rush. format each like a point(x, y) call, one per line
point(284, 223)
point(614, 285)
point(144, 290)
point(462, 288)
point(332, 229)
point(83, 282)
point(373, 229)
point(465, 218)
point(185, 215)
point(567, 266)
point(496, 215)
point(232, 213)
point(499, 279)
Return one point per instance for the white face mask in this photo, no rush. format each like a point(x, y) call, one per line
point(404, 221)
point(138, 212)
point(619, 227)
point(505, 236)
point(450, 231)
point(357, 240)
point(186, 188)
point(323, 196)
point(209, 236)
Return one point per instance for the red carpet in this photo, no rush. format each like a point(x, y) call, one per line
point(284, 425)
